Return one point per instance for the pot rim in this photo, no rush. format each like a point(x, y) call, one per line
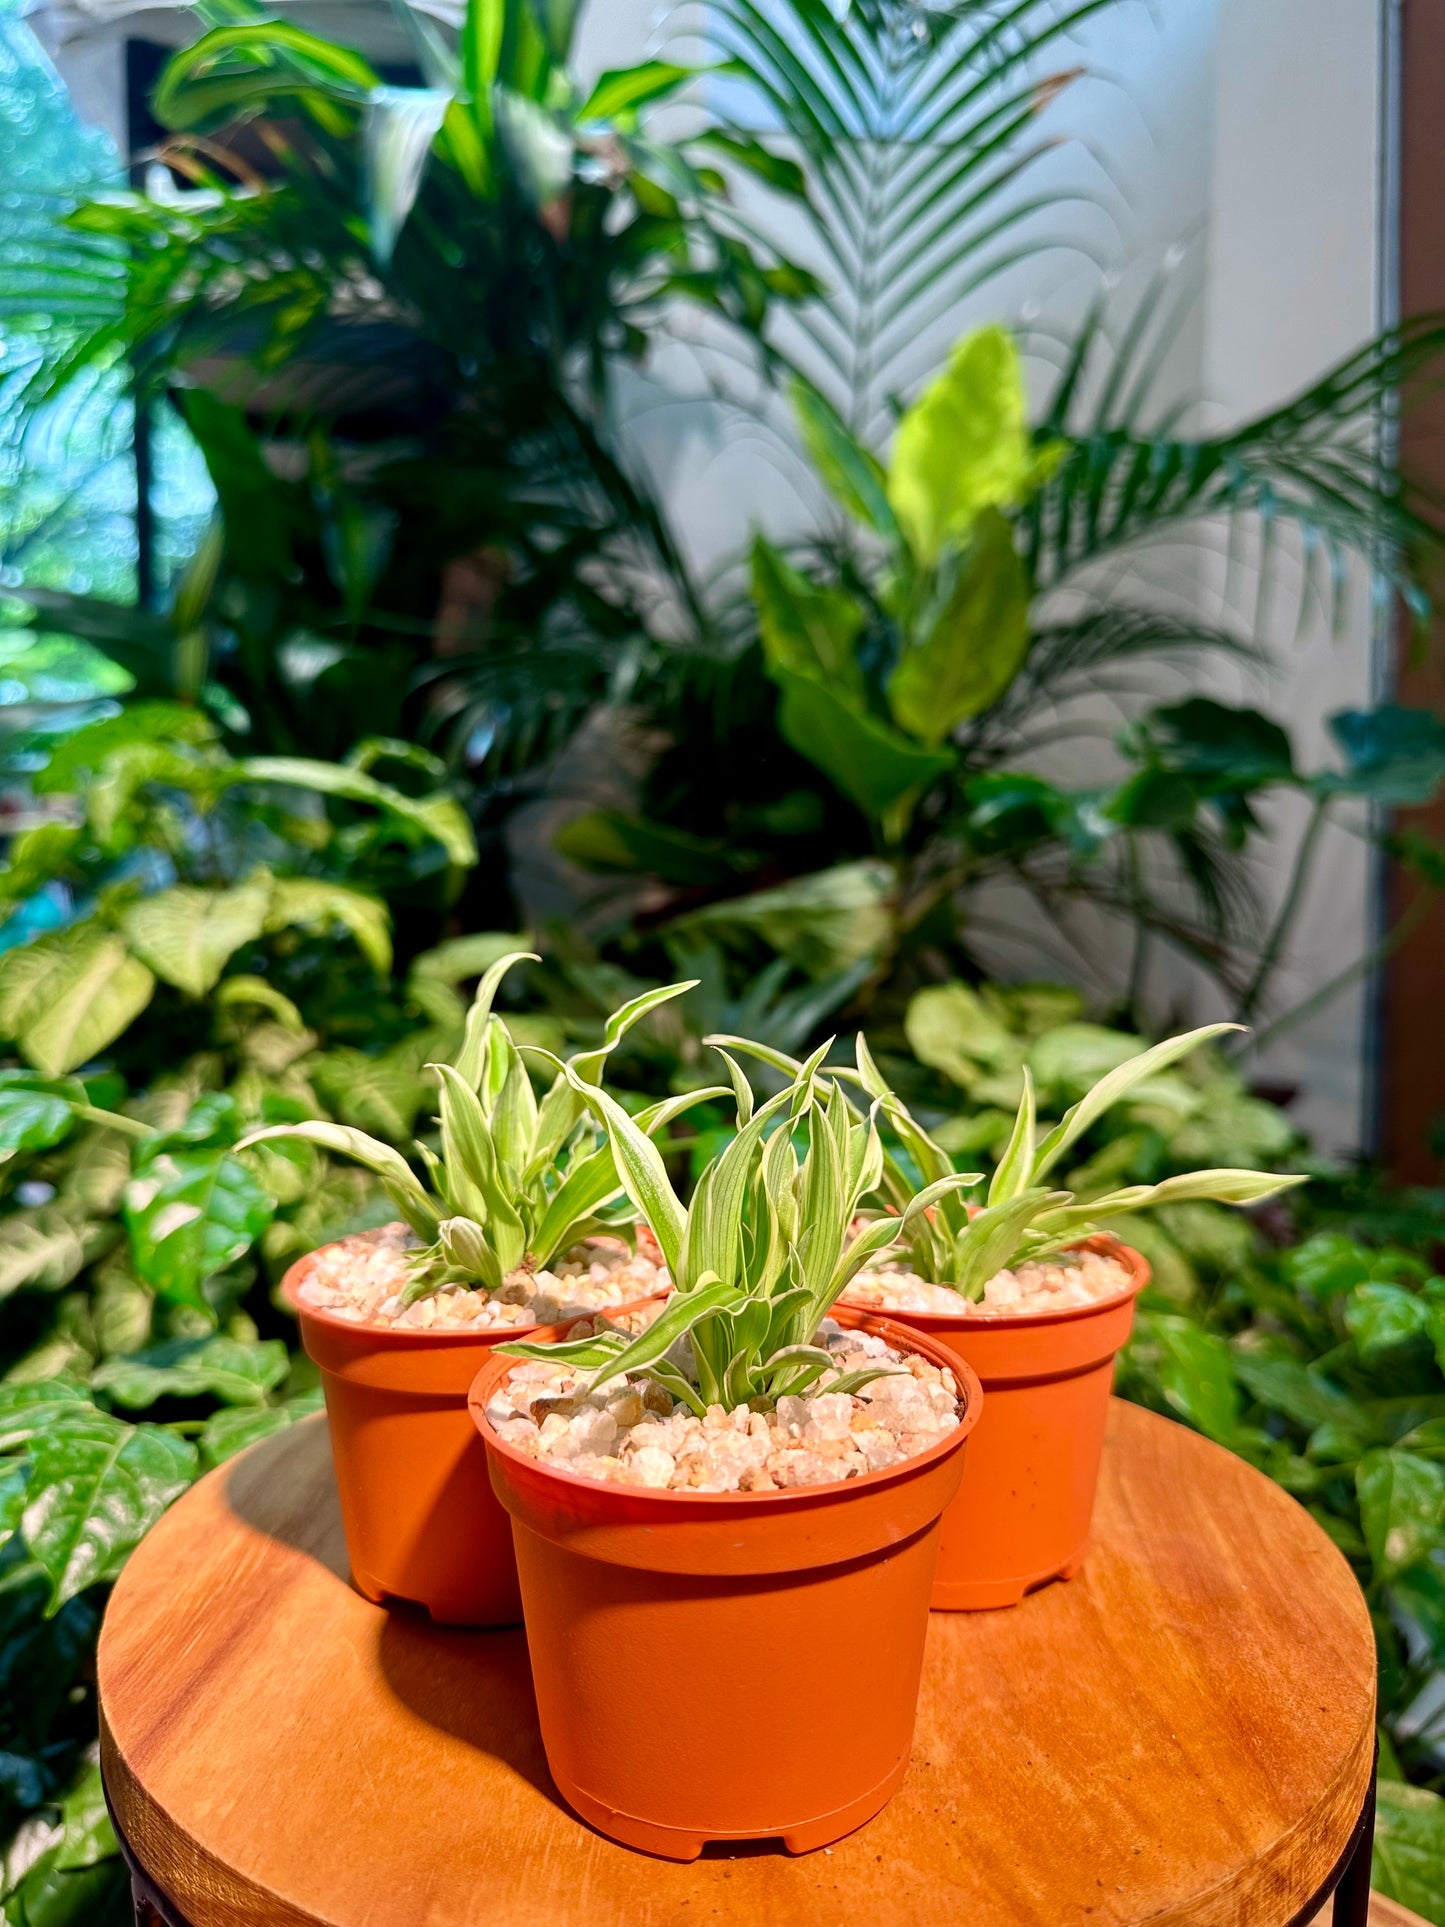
point(900, 1336)
point(1105, 1243)
point(295, 1274)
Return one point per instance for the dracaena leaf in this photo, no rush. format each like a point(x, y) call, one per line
point(1116, 1085)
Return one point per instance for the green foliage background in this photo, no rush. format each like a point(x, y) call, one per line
point(260, 838)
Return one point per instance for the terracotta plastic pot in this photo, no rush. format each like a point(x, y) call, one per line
point(422, 1522)
point(1024, 1507)
point(673, 1638)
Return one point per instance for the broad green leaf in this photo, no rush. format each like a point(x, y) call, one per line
point(226, 1368)
point(44, 1247)
point(975, 642)
point(65, 997)
point(807, 629)
point(622, 90)
point(377, 1094)
point(1288, 1386)
point(822, 923)
point(852, 474)
point(1382, 1317)
point(34, 1114)
point(951, 1029)
point(85, 751)
point(1409, 1862)
point(97, 1486)
point(1402, 1508)
point(873, 764)
point(189, 1215)
point(310, 903)
point(30, 1406)
point(441, 817)
point(1393, 755)
point(231, 1431)
point(1194, 1370)
point(1230, 746)
point(964, 446)
point(187, 936)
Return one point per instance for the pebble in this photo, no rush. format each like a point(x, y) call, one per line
point(1054, 1285)
point(618, 1434)
point(361, 1279)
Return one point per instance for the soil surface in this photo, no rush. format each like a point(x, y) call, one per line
point(361, 1278)
point(1060, 1284)
point(633, 1433)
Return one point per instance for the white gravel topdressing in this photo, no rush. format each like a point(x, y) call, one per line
point(1061, 1284)
point(361, 1279)
point(627, 1433)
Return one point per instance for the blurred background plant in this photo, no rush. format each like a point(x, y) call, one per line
point(435, 660)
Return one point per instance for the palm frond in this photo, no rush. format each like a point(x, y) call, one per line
point(915, 124)
point(1319, 465)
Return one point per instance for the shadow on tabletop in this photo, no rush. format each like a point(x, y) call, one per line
point(474, 1686)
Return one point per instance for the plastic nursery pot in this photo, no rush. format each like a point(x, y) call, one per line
point(672, 1634)
point(1023, 1509)
point(422, 1522)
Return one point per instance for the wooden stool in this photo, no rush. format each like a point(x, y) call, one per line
point(1185, 1733)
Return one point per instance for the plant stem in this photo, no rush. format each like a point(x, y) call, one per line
point(1274, 944)
point(112, 1120)
point(1361, 967)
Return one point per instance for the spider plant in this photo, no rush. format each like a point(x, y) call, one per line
point(762, 1252)
point(516, 1182)
point(1024, 1217)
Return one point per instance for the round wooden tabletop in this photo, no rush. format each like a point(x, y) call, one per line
point(1182, 1734)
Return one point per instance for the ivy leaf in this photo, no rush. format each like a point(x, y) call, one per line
point(1392, 755)
point(1409, 1863)
point(951, 1029)
point(34, 1114)
point(231, 1431)
point(1287, 1386)
point(1381, 1318)
point(1194, 1370)
point(189, 1215)
point(69, 994)
point(233, 1371)
point(187, 935)
point(97, 1486)
point(976, 642)
point(28, 1407)
point(1402, 1508)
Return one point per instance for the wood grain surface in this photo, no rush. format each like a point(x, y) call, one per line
point(1182, 1734)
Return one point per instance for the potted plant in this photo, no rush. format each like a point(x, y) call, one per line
point(506, 1239)
point(742, 1485)
point(1038, 1299)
